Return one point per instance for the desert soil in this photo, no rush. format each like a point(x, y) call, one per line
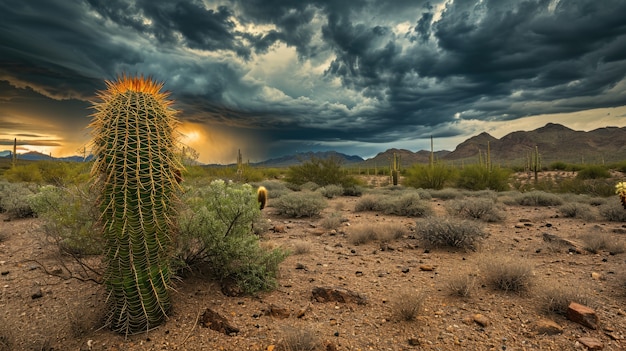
point(40, 311)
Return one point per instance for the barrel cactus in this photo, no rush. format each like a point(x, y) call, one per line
point(136, 172)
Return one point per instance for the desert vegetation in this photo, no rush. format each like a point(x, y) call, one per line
point(422, 262)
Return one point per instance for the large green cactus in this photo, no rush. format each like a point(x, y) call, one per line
point(137, 172)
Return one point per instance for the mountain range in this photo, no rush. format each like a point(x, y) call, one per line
point(554, 142)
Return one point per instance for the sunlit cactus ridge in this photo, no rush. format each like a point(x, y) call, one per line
point(136, 170)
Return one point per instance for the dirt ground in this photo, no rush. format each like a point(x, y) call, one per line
point(44, 312)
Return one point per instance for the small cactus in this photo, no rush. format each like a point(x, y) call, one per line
point(261, 196)
point(620, 190)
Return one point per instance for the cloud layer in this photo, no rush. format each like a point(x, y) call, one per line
point(355, 76)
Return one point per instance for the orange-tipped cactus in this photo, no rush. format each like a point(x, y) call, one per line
point(620, 189)
point(138, 172)
point(261, 196)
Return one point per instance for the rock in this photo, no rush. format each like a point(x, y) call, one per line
point(481, 320)
point(582, 315)
point(231, 288)
point(329, 294)
point(591, 343)
point(214, 321)
point(4, 272)
point(414, 342)
point(277, 312)
point(37, 293)
point(571, 245)
point(300, 266)
point(548, 327)
point(278, 229)
point(596, 276)
point(330, 346)
point(405, 269)
point(427, 268)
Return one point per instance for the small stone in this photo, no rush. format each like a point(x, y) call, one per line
point(596, 276)
point(591, 343)
point(414, 342)
point(300, 266)
point(333, 321)
point(4, 272)
point(481, 320)
point(277, 312)
point(37, 294)
point(548, 327)
point(405, 269)
point(358, 273)
point(427, 268)
point(329, 294)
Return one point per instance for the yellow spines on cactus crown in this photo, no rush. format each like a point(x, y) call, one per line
point(620, 188)
point(138, 84)
point(261, 196)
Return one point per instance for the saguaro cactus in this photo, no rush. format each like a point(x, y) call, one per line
point(395, 168)
point(137, 171)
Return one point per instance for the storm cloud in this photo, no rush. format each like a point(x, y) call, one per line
point(354, 76)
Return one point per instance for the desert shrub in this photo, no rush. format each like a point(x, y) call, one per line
point(407, 205)
point(14, 199)
point(333, 221)
point(538, 198)
point(477, 177)
point(28, 173)
point(407, 305)
point(362, 234)
point(595, 187)
point(368, 203)
point(450, 232)
point(558, 166)
point(309, 186)
point(320, 171)
point(424, 194)
point(353, 190)
point(461, 285)
point(64, 173)
point(429, 176)
point(300, 247)
point(596, 242)
point(508, 274)
point(331, 190)
point(555, 298)
point(300, 204)
point(593, 172)
point(475, 208)
point(613, 211)
point(70, 218)
point(447, 194)
point(299, 339)
point(216, 233)
point(577, 210)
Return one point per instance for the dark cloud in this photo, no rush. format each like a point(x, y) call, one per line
point(320, 72)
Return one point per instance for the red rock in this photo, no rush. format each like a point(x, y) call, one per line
point(591, 343)
point(327, 294)
point(582, 315)
point(481, 320)
point(548, 327)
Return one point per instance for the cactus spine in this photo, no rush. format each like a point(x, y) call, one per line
point(136, 169)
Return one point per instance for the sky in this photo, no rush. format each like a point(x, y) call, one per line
point(275, 77)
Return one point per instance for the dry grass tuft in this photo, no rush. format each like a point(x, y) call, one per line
point(461, 285)
point(407, 305)
point(299, 339)
point(508, 274)
point(301, 247)
point(556, 298)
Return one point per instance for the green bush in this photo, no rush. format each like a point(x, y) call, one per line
point(449, 232)
point(475, 208)
point(321, 172)
point(353, 190)
point(595, 187)
point(300, 204)
point(28, 173)
point(330, 191)
point(331, 222)
point(538, 198)
point(477, 177)
point(216, 233)
point(558, 166)
point(593, 172)
point(14, 199)
point(429, 177)
point(70, 218)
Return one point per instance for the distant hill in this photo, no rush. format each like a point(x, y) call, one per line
point(290, 160)
point(407, 157)
point(38, 156)
point(555, 142)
